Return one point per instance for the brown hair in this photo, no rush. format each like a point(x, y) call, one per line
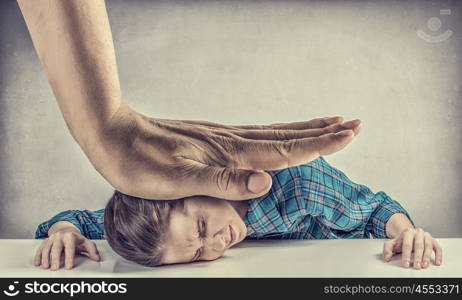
point(135, 227)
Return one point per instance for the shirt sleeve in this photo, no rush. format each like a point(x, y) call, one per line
point(344, 208)
point(89, 223)
point(377, 222)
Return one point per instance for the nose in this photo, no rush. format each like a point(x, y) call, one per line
point(216, 243)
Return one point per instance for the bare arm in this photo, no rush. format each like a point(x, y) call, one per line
point(150, 157)
point(74, 43)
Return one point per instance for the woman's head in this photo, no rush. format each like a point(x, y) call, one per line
point(156, 232)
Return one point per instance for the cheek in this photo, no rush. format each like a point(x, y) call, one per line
point(240, 225)
point(222, 215)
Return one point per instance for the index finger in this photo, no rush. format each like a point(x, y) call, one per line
point(38, 254)
point(388, 250)
point(311, 124)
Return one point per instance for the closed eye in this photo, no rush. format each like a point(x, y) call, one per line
point(201, 229)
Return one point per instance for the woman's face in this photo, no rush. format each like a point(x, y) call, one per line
point(204, 229)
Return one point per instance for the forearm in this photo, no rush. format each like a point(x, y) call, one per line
point(62, 225)
point(396, 224)
point(74, 43)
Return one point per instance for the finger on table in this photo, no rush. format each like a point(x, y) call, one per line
point(408, 243)
point(38, 254)
point(419, 245)
point(56, 251)
point(428, 250)
point(46, 254)
point(438, 252)
point(69, 254)
point(90, 248)
point(388, 250)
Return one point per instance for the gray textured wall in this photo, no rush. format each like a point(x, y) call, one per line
point(253, 62)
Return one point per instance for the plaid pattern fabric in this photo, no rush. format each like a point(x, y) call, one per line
point(318, 201)
point(309, 201)
point(90, 223)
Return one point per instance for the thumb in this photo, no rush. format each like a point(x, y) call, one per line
point(227, 183)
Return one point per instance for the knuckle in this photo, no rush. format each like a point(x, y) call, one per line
point(288, 146)
point(225, 151)
point(332, 128)
point(68, 236)
point(283, 135)
point(225, 177)
point(281, 148)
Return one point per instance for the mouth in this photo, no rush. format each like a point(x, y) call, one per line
point(232, 236)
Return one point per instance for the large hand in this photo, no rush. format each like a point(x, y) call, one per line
point(169, 159)
point(156, 158)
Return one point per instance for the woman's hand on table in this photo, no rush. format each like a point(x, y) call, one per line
point(415, 240)
point(64, 242)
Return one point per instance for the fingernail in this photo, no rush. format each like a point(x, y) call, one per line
point(406, 264)
point(417, 265)
point(424, 264)
point(256, 183)
point(344, 133)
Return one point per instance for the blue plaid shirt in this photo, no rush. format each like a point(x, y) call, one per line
point(309, 201)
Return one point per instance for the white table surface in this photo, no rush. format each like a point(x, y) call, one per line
point(269, 258)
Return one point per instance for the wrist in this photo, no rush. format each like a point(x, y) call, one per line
point(397, 224)
point(62, 226)
point(107, 150)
